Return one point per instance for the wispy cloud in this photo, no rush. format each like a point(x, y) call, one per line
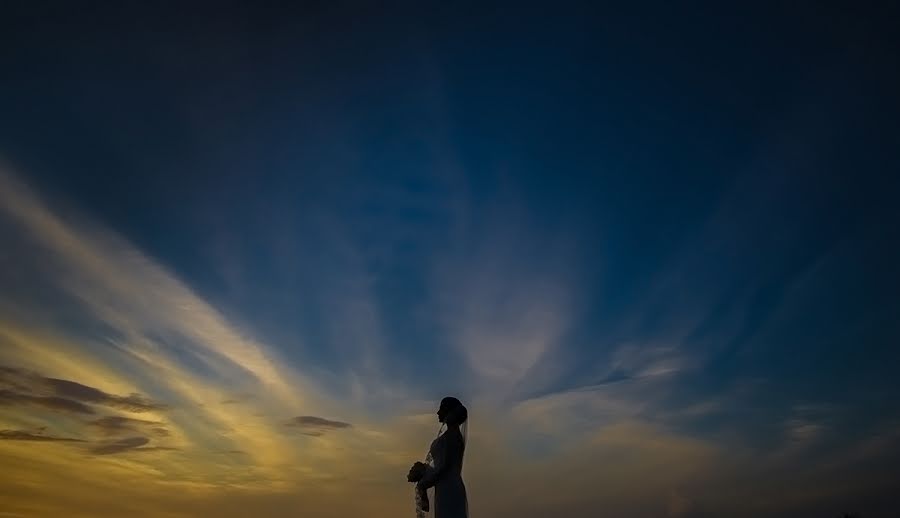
point(8, 397)
point(120, 445)
point(31, 387)
point(316, 426)
point(505, 316)
point(23, 435)
point(81, 401)
point(74, 390)
point(117, 425)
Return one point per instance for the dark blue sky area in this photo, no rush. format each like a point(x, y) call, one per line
point(702, 188)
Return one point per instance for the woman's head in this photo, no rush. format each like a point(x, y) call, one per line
point(452, 412)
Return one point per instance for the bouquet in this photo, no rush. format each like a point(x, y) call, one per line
point(416, 472)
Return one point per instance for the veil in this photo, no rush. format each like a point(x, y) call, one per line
point(464, 430)
point(422, 496)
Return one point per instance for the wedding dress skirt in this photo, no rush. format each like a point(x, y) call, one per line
point(445, 476)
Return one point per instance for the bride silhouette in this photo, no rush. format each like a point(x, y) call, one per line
point(442, 468)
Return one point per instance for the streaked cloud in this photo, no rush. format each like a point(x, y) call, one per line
point(66, 394)
point(132, 403)
point(9, 397)
point(120, 445)
point(506, 317)
point(23, 435)
point(117, 425)
point(316, 426)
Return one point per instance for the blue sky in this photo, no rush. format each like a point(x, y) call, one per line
point(658, 236)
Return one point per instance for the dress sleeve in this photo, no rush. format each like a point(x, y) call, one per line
point(443, 451)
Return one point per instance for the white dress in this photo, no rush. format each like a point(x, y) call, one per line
point(445, 476)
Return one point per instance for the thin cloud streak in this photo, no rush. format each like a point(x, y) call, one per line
point(120, 445)
point(23, 435)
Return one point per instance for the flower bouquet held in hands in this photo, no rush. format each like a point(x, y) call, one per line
point(416, 472)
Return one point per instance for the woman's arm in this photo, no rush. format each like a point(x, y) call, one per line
point(443, 452)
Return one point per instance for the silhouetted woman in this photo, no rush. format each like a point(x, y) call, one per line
point(443, 465)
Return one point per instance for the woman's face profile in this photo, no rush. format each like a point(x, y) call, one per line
point(442, 413)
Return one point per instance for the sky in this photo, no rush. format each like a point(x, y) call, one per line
point(248, 247)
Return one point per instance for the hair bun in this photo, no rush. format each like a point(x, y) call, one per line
point(459, 415)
